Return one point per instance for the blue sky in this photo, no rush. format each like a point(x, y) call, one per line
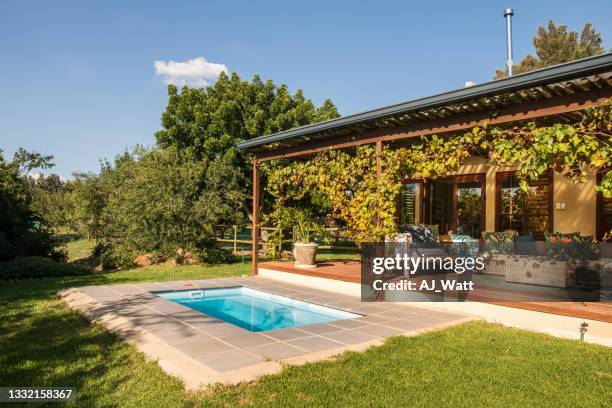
point(77, 79)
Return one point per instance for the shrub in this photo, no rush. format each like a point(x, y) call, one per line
point(216, 255)
point(38, 267)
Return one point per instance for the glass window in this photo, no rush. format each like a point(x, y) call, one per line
point(469, 207)
point(441, 208)
point(524, 211)
point(410, 205)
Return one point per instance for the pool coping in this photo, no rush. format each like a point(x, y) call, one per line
point(202, 350)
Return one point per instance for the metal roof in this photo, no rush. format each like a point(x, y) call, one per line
point(585, 74)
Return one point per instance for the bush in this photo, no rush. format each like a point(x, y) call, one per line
point(38, 267)
point(216, 255)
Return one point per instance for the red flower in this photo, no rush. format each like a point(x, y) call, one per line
point(565, 240)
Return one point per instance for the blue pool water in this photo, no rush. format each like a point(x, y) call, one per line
point(255, 310)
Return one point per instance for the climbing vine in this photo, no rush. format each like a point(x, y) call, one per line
point(367, 202)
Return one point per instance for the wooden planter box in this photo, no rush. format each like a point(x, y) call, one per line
point(539, 270)
point(595, 273)
point(497, 264)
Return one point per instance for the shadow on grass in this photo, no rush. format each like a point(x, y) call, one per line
point(53, 346)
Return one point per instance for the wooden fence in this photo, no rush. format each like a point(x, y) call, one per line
point(242, 236)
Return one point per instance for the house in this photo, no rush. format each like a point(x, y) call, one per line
point(550, 95)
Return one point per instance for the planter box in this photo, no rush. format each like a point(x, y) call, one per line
point(539, 270)
point(497, 264)
point(596, 273)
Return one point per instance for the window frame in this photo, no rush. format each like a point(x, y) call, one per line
point(421, 199)
point(481, 177)
point(551, 207)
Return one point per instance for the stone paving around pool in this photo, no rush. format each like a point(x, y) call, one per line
point(204, 350)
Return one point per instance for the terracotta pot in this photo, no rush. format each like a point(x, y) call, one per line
point(305, 255)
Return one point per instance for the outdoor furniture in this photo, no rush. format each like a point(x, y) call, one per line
point(464, 245)
point(539, 270)
point(422, 233)
point(517, 258)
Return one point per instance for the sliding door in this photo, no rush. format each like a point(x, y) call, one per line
point(457, 204)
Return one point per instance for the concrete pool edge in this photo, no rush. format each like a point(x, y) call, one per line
point(195, 372)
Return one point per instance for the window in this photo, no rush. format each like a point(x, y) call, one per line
point(411, 204)
point(524, 211)
point(457, 204)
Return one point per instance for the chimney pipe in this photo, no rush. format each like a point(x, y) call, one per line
point(508, 13)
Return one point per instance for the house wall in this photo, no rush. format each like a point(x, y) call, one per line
point(580, 199)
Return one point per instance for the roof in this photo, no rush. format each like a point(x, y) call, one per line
point(581, 75)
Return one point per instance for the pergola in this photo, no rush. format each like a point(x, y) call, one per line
point(551, 95)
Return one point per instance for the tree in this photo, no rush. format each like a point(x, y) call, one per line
point(52, 197)
point(173, 196)
point(555, 45)
point(160, 201)
point(23, 231)
point(210, 122)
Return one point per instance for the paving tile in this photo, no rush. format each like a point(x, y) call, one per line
point(349, 337)
point(319, 328)
point(405, 325)
point(128, 290)
point(275, 351)
point(378, 331)
point(369, 309)
point(203, 347)
point(229, 360)
point(151, 287)
point(247, 340)
point(398, 313)
point(169, 308)
point(155, 325)
point(286, 334)
point(350, 323)
point(315, 343)
point(218, 328)
point(182, 335)
point(104, 295)
point(374, 319)
point(192, 316)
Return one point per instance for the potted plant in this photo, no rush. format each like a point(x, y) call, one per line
point(304, 249)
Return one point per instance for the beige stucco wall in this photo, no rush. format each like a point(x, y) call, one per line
point(580, 199)
point(580, 205)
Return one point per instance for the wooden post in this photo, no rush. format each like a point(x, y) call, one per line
point(378, 168)
point(235, 238)
point(255, 231)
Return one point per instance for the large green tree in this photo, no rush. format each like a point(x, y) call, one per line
point(555, 45)
point(209, 122)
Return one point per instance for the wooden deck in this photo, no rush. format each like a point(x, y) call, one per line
point(343, 270)
point(350, 271)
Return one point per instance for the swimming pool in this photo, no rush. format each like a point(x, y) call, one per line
point(255, 310)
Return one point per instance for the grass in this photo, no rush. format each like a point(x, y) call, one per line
point(79, 249)
point(44, 343)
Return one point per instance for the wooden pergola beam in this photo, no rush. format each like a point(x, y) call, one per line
point(521, 112)
point(255, 215)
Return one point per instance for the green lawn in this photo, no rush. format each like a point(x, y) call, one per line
point(44, 343)
point(79, 249)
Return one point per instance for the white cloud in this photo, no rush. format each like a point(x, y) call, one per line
point(195, 72)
